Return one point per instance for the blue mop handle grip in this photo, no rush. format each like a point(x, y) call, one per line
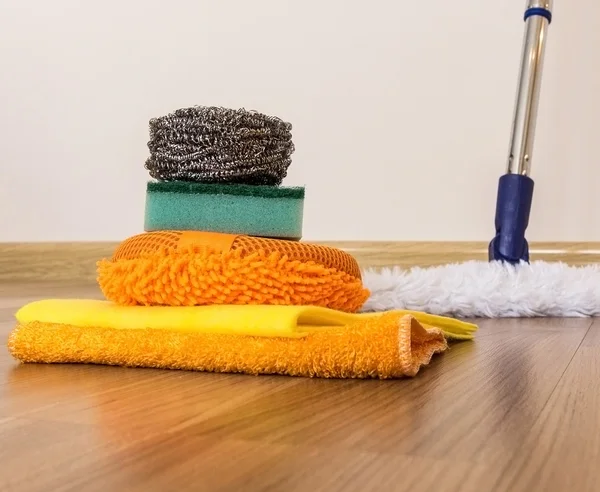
point(513, 206)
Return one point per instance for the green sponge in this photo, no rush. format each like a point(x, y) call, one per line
point(253, 210)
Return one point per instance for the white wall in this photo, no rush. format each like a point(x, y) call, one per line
point(401, 109)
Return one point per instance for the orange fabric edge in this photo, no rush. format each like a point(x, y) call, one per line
point(215, 241)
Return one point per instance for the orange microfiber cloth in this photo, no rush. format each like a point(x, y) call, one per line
point(289, 340)
point(195, 268)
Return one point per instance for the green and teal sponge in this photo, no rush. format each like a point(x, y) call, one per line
point(252, 210)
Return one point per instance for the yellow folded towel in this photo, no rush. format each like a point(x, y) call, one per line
point(292, 340)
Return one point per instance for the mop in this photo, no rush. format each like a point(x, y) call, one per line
point(509, 284)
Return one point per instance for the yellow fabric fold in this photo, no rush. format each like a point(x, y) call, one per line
point(241, 320)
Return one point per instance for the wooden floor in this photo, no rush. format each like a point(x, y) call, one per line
point(516, 410)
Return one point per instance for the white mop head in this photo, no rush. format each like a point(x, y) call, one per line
point(480, 289)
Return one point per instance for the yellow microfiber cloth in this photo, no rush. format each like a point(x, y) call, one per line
point(254, 339)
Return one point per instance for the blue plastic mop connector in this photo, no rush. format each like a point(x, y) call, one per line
point(513, 205)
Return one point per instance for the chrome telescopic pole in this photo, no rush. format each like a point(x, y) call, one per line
point(537, 17)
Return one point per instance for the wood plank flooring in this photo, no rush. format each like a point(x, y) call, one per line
point(516, 410)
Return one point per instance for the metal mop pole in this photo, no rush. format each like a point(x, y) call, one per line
point(515, 188)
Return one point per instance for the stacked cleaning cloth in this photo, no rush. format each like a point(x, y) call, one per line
point(220, 279)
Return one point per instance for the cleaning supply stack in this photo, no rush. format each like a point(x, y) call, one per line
point(220, 279)
point(220, 227)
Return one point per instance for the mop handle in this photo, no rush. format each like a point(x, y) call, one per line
point(515, 187)
point(538, 15)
